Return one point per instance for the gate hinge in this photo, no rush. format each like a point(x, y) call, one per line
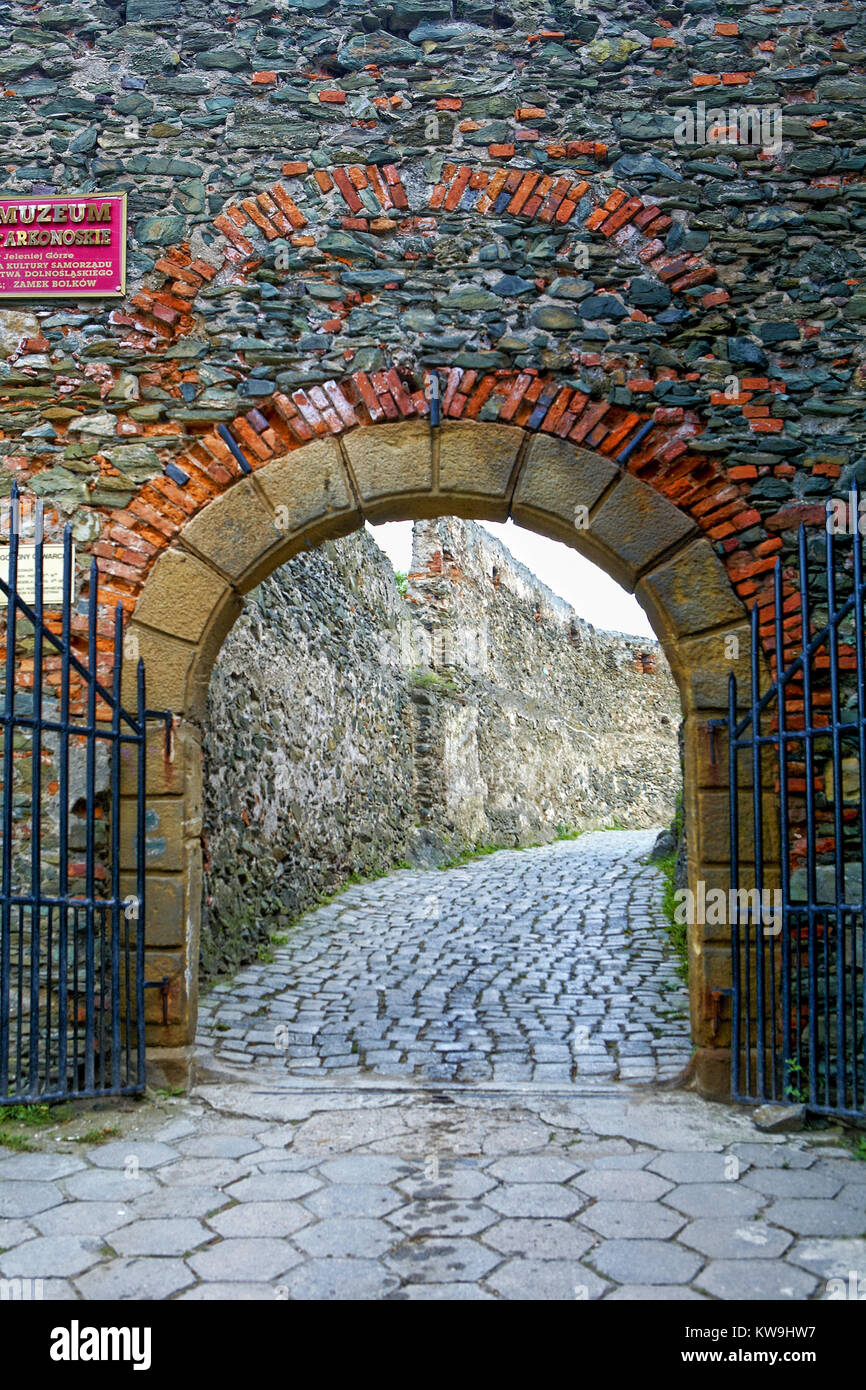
point(713, 725)
point(717, 995)
point(166, 718)
point(163, 986)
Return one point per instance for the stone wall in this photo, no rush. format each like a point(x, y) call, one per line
point(544, 723)
point(348, 729)
point(307, 746)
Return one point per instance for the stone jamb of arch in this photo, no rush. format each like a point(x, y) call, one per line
point(399, 470)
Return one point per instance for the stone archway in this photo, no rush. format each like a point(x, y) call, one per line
point(328, 488)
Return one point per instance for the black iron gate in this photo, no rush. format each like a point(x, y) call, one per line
point(71, 951)
point(797, 768)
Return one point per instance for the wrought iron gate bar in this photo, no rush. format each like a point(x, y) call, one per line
point(792, 670)
point(71, 963)
point(799, 990)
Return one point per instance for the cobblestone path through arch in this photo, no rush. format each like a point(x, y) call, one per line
point(539, 965)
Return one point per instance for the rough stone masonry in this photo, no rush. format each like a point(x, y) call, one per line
point(349, 728)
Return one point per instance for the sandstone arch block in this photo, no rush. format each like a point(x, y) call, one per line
point(169, 823)
point(184, 597)
point(168, 665)
point(306, 487)
point(392, 466)
point(636, 525)
point(177, 773)
point(690, 593)
point(235, 534)
point(556, 479)
point(476, 463)
point(702, 667)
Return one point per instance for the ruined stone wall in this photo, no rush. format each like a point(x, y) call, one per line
point(307, 747)
point(348, 729)
point(543, 723)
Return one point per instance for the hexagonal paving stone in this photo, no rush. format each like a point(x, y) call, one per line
point(757, 1280)
point(146, 1153)
point(59, 1290)
point(729, 1240)
point(273, 1187)
point(204, 1172)
point(632, 1220)
point(536, 1199)
point(82, 1219)
point(14, 1232)
point(534, 1168)
point(831, 1259)
point(697, 1167)
point(219, 1146)
point(229, 1293)
point(437, 1261)
point(645, 1262)
point(107, 1185)
point(769, 1155)
point(180, 1201)
point(21, 1198)
point(366, 1168)
point(51, 1257)
point(623, 1185)
point(243, 1260)
point(851, 1171)
point(625, 1160)
point(160, 1236)
point(654, 1293)
point(542, 1239)
point(261, 1219)
point(717, 1200)
point(134, 1279)
point(563, 1280)
point(818, 1218)
point(461, 1184)
point(347, 1237)
point(355, 1280)
point(40, 1167)
point(793, 1182)
point(442, 1293)
point(354, 1199)
point(444, 1218)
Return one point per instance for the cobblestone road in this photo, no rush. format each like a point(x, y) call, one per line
point(324, 1179)
point(548, 964)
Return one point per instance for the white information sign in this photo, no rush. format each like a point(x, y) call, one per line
point(52, 574)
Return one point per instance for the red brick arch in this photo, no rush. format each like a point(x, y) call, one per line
point(654, 442)
point(166, 312)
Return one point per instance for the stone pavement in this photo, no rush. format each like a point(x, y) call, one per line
point(547, 964)
point(328, 1179)
point(398, 1191)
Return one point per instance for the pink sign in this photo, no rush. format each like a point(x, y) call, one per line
point(70, 247)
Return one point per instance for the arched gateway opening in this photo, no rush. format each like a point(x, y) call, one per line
point(401, 471)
